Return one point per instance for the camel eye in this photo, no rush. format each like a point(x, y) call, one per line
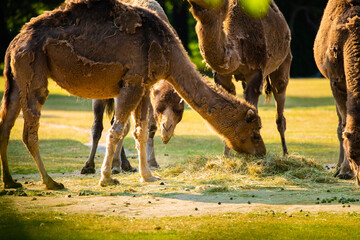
point(257, 136)
point(160, 109)
point(178, 111)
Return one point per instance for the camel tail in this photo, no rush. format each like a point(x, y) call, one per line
point(109, 107)
point(268, 90)
point(9, 82)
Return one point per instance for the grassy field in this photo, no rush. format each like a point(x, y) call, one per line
point(192, 164)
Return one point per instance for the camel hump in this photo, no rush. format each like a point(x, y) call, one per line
point(158, 66)
point(79, 75)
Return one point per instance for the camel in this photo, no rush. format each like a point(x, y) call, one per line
point(166, 110)
point(337, 55)
point(250, 50)
point(109, 49)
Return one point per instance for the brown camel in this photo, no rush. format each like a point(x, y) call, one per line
point(168, 113)
point(168, 110)
point(109, 49)
point(337, 55)
point(234, 44)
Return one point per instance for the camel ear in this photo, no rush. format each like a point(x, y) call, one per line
point(250, 116)
point(158, 67)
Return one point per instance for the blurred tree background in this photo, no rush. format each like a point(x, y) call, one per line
point(303, 17)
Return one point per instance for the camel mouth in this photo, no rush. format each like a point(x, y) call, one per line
point(166, 136)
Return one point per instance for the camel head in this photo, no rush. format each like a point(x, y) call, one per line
point(352, 149)
point(203, 12)
point(168, 108)
point(245, 135)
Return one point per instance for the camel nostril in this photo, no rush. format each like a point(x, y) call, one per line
point(166, 128)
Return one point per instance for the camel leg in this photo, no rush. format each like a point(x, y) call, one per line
point(96, 131)
point(125, 164)
point(279, 81)
point(343, 170)
point(116, 163)
point(226, 82)
point(120, 161)
point(140, 133)
point(150, 141)
point(9, 116)
point(130, 96)
point(32, 82)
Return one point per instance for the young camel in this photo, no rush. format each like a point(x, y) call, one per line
point(250, 50)
point(166, 110)
point(109, 49)
point(337, 55)
point(168, 113)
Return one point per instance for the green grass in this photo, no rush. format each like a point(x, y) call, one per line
point(224, 226)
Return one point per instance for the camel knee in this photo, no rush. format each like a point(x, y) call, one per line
point(140, 133)
point(281, 123)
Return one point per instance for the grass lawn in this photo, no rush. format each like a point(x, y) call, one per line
point(192, 163)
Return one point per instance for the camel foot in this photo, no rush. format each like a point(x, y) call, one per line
point(150, 179)
point(12, 184)
point(108, 181)
point(153, 164)
point(125, 166)
point(52, 185)
point(345, 176)
point(115, 171)
point(88, 170)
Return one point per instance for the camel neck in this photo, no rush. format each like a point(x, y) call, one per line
point(216, 47)
point(211, 103)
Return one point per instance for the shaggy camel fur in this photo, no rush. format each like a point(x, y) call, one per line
point(109, 49)
point(168, 113)
point(168, 110)
point(234, 44)
point(337, 55)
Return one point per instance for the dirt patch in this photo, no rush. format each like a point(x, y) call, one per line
point(183, 204)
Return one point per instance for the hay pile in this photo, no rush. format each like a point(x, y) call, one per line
point(289, 167)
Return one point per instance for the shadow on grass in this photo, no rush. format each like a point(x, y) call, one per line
point(12, 224)
point(303, 102)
